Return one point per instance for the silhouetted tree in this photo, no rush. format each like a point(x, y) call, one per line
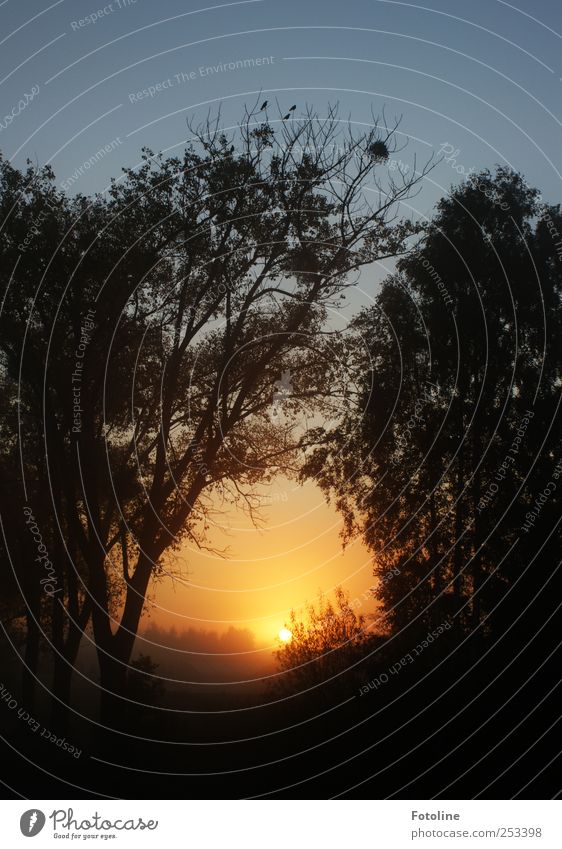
point(323, 657)
point(455, 432)
point(146, 329)
point(143, 684)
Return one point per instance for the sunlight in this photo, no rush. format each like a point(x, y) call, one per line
point(285, 635)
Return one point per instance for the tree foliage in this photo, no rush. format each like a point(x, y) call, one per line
point(455, 434)
point(143, 333)
point(326, 647)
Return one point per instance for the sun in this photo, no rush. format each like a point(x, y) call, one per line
point(285, 635)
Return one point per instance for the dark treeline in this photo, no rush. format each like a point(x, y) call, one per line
point(143, 333)
point(449, 465)
point(455, 436)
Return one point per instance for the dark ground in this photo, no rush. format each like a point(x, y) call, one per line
point(484, 722)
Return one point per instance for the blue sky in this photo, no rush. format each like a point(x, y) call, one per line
point(483, 77)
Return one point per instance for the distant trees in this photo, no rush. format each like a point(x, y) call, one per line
point(142, 334)
point(456, 430)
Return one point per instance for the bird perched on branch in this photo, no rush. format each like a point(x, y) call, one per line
point(264, 105)
point(293, 107)
point(287, 116)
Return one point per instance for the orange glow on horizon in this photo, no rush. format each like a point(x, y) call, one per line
point(265, 572)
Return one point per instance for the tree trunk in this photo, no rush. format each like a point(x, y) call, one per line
point(29, 670)
point(115, 653)
point(32, 603)
point(62, 683)
point(65, 660)
point(113, 680)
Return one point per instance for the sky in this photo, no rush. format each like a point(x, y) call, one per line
point(265, 572)
point(483, 77)
point(480, 81)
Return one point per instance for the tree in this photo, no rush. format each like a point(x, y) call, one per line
point(325, 649)
point(454, 434)
point(143, 684)
point(146, 331)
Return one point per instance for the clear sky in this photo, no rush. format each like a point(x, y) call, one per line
point(482, 77)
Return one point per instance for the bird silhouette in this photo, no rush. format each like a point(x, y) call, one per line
point(288, 115)
point(292, 109)
point(264, 105)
